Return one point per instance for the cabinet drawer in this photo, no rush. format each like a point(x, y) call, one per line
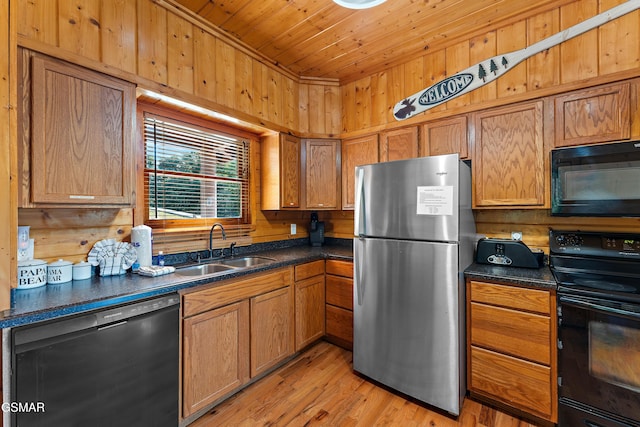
point(310, 269)
point(232, 290)
point(339, 324)
point(521, 334)
point(534, 300)
point(340, 268)
point(521, 384)
point(339, 291)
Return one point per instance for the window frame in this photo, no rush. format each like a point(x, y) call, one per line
point(190, 224)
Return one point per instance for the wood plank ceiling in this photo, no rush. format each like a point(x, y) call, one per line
point(318, 38)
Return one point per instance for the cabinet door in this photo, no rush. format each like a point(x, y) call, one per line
point(81, 136)
point(355, 152)
point(446, 136)
point(509, 157)
point(290, 171)
point(309, 310)
point(399, 144)
point(593, 115)
point(280, 172)
point(272, 329)
point(215, 355)
point(321, 159)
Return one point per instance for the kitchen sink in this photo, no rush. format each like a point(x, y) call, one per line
point(204, 269)
point(248, 261)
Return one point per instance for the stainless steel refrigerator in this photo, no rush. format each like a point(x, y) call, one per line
point(414, 236)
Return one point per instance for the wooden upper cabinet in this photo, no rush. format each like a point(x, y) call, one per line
point(321, 164)
point(280, 170)
point(509, 157)
point(399, 144)
point(81, 137)
point(445, 136)
point(593, 115)
point(356, 152)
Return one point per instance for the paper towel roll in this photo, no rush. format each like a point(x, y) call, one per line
point(141, 240)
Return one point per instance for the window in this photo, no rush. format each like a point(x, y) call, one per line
point(194, 174)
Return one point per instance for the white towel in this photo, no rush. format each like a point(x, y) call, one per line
point(155, 270)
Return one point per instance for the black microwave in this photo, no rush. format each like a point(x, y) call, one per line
point(596, 180)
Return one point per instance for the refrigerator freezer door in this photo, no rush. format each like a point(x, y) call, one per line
point(407, 326)
point(415, 199)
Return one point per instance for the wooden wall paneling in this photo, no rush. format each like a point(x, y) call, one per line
point(303, 108)
point(579, 56)
point(244, 82)
point(414, 75)
point(204, 64)
point(276, 225)
point(260, 104)
point(535, 224)
point(349, 117)
point(481, 48)
point(395, 90)
point(225, 73)
point(380, 104)
point(274, 93)
point(435, 70)
point(9, 78)
point(291, 103)
point(332, 110)
point(508, 39)
point(179, 53)
point(316, 109)
point(71, 233)
point(457, 57)
point(543, 69)
point(338, 224)
point(79, 27)
point(363, 102)
point(36, 23)
point(118, 42)
point(152, 41)
point(619, 41)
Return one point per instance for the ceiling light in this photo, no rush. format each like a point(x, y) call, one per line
point(358, 4)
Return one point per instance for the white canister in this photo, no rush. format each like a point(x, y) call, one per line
point(81, 270)
point(32, 273)
point(59, 272)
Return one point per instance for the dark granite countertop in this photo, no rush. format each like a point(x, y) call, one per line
point(52, 301)
point(531, 277)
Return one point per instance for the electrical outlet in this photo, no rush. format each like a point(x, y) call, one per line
point(516, 235)
point(293, 229)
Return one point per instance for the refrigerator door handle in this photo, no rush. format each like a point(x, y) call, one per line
point(358, 220)
point(359, 274)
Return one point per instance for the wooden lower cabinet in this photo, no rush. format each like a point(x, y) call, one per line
point(310, 301)
point(339, 302)
point(511, 347)
point(232, 331)
point(216, 348)
point(272, 331)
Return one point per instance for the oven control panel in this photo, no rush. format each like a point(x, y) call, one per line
point(617, 245)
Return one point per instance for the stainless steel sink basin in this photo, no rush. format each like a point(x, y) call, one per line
point(248, 261)
point(204, 269)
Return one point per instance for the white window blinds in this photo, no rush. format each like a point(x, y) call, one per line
point(192, 172)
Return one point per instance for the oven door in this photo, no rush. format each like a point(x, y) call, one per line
point(599, 361)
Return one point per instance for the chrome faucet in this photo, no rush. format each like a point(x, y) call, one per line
point(224, 237)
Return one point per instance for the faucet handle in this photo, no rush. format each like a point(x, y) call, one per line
point(233, 245)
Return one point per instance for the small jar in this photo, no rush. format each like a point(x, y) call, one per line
point(32, 273)
point(81, 270)
point(59, 272)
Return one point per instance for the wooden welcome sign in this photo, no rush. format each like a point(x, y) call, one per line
point(490, 69)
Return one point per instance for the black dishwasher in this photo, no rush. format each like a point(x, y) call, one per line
point(112, 367)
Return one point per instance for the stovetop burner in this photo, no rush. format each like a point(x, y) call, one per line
point(604, 264)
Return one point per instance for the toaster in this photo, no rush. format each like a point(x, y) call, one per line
point(507, 252)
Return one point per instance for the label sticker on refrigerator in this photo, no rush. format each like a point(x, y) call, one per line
point(435, 200)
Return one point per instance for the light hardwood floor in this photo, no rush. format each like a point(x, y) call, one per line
point(319, 388)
